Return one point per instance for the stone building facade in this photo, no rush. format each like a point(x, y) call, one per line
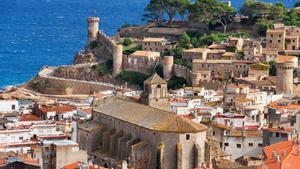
point(143, 136)
point(156, 44)
point(223, 68)
point(141, 61)
point(282, 39)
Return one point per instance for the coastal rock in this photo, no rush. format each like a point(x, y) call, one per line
point(84, 58)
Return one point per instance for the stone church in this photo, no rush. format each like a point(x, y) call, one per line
point(145, 136)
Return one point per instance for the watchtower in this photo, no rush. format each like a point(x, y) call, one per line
point(93, 28)
point(285, 73)
point(168, 67)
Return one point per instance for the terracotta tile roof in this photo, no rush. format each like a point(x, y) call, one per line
point(288, 151)
point(279, 129)
point(145, 116)
point(196, 50)
point(74, 165)
point(155, 79)
point(288, 106)
point(262, 83)
point(29, 117)
point(282, 58)
point(275, 31)
point(58, 108)
point(154, 39)
point(87, 110)
point(142, 53)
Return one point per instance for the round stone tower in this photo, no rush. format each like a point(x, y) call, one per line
point(284, 77)
point(117, 59)
point(93, 28)
point(168, 67)
point(195, 78)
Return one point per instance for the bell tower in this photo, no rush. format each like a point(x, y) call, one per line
point(156, 92)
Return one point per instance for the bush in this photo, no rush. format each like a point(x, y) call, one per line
point(127, 42)
point(131, 50)
point(94, 44)
point(103, 68)
point(263, 25)
point(231, 48)
point(176, 83)
point(133, 78)
point(272, 69)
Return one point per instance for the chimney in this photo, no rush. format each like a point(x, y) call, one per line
point(274, 154)
point(124, 165)
point(277, 158)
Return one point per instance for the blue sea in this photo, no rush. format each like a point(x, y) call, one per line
point(34, 33)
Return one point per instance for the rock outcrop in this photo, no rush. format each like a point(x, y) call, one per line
point(85, 58)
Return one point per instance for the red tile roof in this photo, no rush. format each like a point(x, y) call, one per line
point(288, 151)
point(58, 108)
point(29, 117)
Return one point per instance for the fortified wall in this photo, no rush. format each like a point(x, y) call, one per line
point(113, 50)
point(141, 65)
point(171, 69)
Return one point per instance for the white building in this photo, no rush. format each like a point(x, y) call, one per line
point(9, 106)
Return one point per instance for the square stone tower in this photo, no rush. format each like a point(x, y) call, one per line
point(156, 92)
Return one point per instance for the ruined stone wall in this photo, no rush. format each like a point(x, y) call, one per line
point(141, 65)
point(59, 86)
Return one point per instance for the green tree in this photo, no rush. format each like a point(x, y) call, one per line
point(183, 8)
point(185, 41)
point(272, 69)
point(255, 9)
point(263, 25)
point(212, 12)
point(176, 83)
point(127, 42)
point(292, 18)
point(297, 4)
point(154, 10)
point(278, 11)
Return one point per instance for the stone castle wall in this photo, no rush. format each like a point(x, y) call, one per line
point(59, 86)
point(113, 50)
point(138, 65)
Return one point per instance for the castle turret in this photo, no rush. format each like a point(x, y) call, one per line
point(196, 77)
point(284, 73)
point(168, 67)
point(117, 59)
point(93, 28)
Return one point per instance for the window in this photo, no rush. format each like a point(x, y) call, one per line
point(260, 144)
point(280, 36)
point(277, 134)
point(214, 133)
point(270, 41)
point(238, 146)
point(271, 35)
point(226, 144)
point(20, 138)
point(250, 144)
point(13, 107)
point(187, 137)
point(279, 41)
